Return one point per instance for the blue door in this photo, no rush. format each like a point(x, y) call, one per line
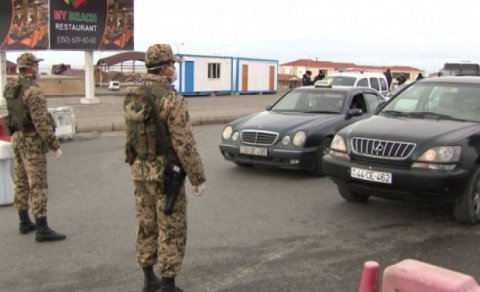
point(189, 77)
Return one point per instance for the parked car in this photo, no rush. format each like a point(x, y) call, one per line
point(423, 145)
point(376, 81)
point(297, 130)
point(114, 85)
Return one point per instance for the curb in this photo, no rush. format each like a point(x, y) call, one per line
point(112, 126)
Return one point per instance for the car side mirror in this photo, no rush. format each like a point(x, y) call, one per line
point(354, 112)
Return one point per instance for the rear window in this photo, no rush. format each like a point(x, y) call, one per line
point(363, 82)
point(342, 80)
point(374, 83)
point(383, 84)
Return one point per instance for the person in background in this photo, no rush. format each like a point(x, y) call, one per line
point(307, 78)
point(420, 76)
point(320, 76)
point(402, 79)
point(388, 76)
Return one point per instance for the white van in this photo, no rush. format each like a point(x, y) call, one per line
point(114, 85)
point(367, 79)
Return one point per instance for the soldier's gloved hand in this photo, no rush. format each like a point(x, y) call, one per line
point(58, 153)
point(198, 190)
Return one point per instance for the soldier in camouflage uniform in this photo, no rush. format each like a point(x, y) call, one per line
point(33, 135)
point(161, 238)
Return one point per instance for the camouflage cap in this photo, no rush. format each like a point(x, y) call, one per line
point(159, 53)
point(27, 60)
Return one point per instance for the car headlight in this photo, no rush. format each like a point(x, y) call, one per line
point(227, 132)
point(235, 136)
point(440, 157)
point(286, 140)
point(299, 138)
point(338, 147)
point(338, 144)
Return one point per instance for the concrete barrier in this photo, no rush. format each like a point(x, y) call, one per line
point(65, 120)
point(6, 184)
point(415, 276)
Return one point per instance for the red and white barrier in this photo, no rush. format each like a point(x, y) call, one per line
point(6, 183)
point(415, 276)
point(369, 281)
point(4, 135)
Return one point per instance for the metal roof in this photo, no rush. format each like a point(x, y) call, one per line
point(11, 64)
point(121, 57)
point(339, 65)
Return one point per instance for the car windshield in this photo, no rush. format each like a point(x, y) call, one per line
point(342, 80)
point(454, 101)
point(311, 101)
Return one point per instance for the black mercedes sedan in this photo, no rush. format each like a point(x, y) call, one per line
point(422, 145)
point(297, 130)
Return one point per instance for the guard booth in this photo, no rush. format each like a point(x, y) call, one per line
point(204, 75)
point(255, 76)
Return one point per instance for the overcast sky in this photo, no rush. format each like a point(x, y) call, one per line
point(420, 33)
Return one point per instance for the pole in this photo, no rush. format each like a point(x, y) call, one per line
point(3, 75)
point(89, 81)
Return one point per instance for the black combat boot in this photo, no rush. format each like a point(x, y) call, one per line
point(151, 283)
point(44, 233)
point(168, 285)
point(26, 225)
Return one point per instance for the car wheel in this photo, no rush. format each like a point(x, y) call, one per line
point(243, 164)
point(323, 149)
point(467, 207)
point(350, 196)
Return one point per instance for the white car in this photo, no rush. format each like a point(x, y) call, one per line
point(114, 86)
point(358, 79)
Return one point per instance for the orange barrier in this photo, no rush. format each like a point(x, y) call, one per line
point(415, 276)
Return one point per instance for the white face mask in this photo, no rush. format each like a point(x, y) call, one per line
point(37, 72)
point(174, 76)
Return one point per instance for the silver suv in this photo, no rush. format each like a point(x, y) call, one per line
point(373, 80)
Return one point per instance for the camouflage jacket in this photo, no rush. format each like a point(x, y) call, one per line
point(43, 138)
point(173, 112)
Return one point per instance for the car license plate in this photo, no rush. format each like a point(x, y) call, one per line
point(257, 151)
point(370, 175)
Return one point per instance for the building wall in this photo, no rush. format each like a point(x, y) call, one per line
point(258, 75)
point(62, 86)
point(59, 85)
point(300, 70)
point(202, 84)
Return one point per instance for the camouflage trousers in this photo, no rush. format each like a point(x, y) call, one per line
point(160, 238)
point(30, 179)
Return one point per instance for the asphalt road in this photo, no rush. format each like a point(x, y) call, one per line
point(255, 229)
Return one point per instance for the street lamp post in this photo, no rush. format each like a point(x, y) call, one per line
point(178, 47)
